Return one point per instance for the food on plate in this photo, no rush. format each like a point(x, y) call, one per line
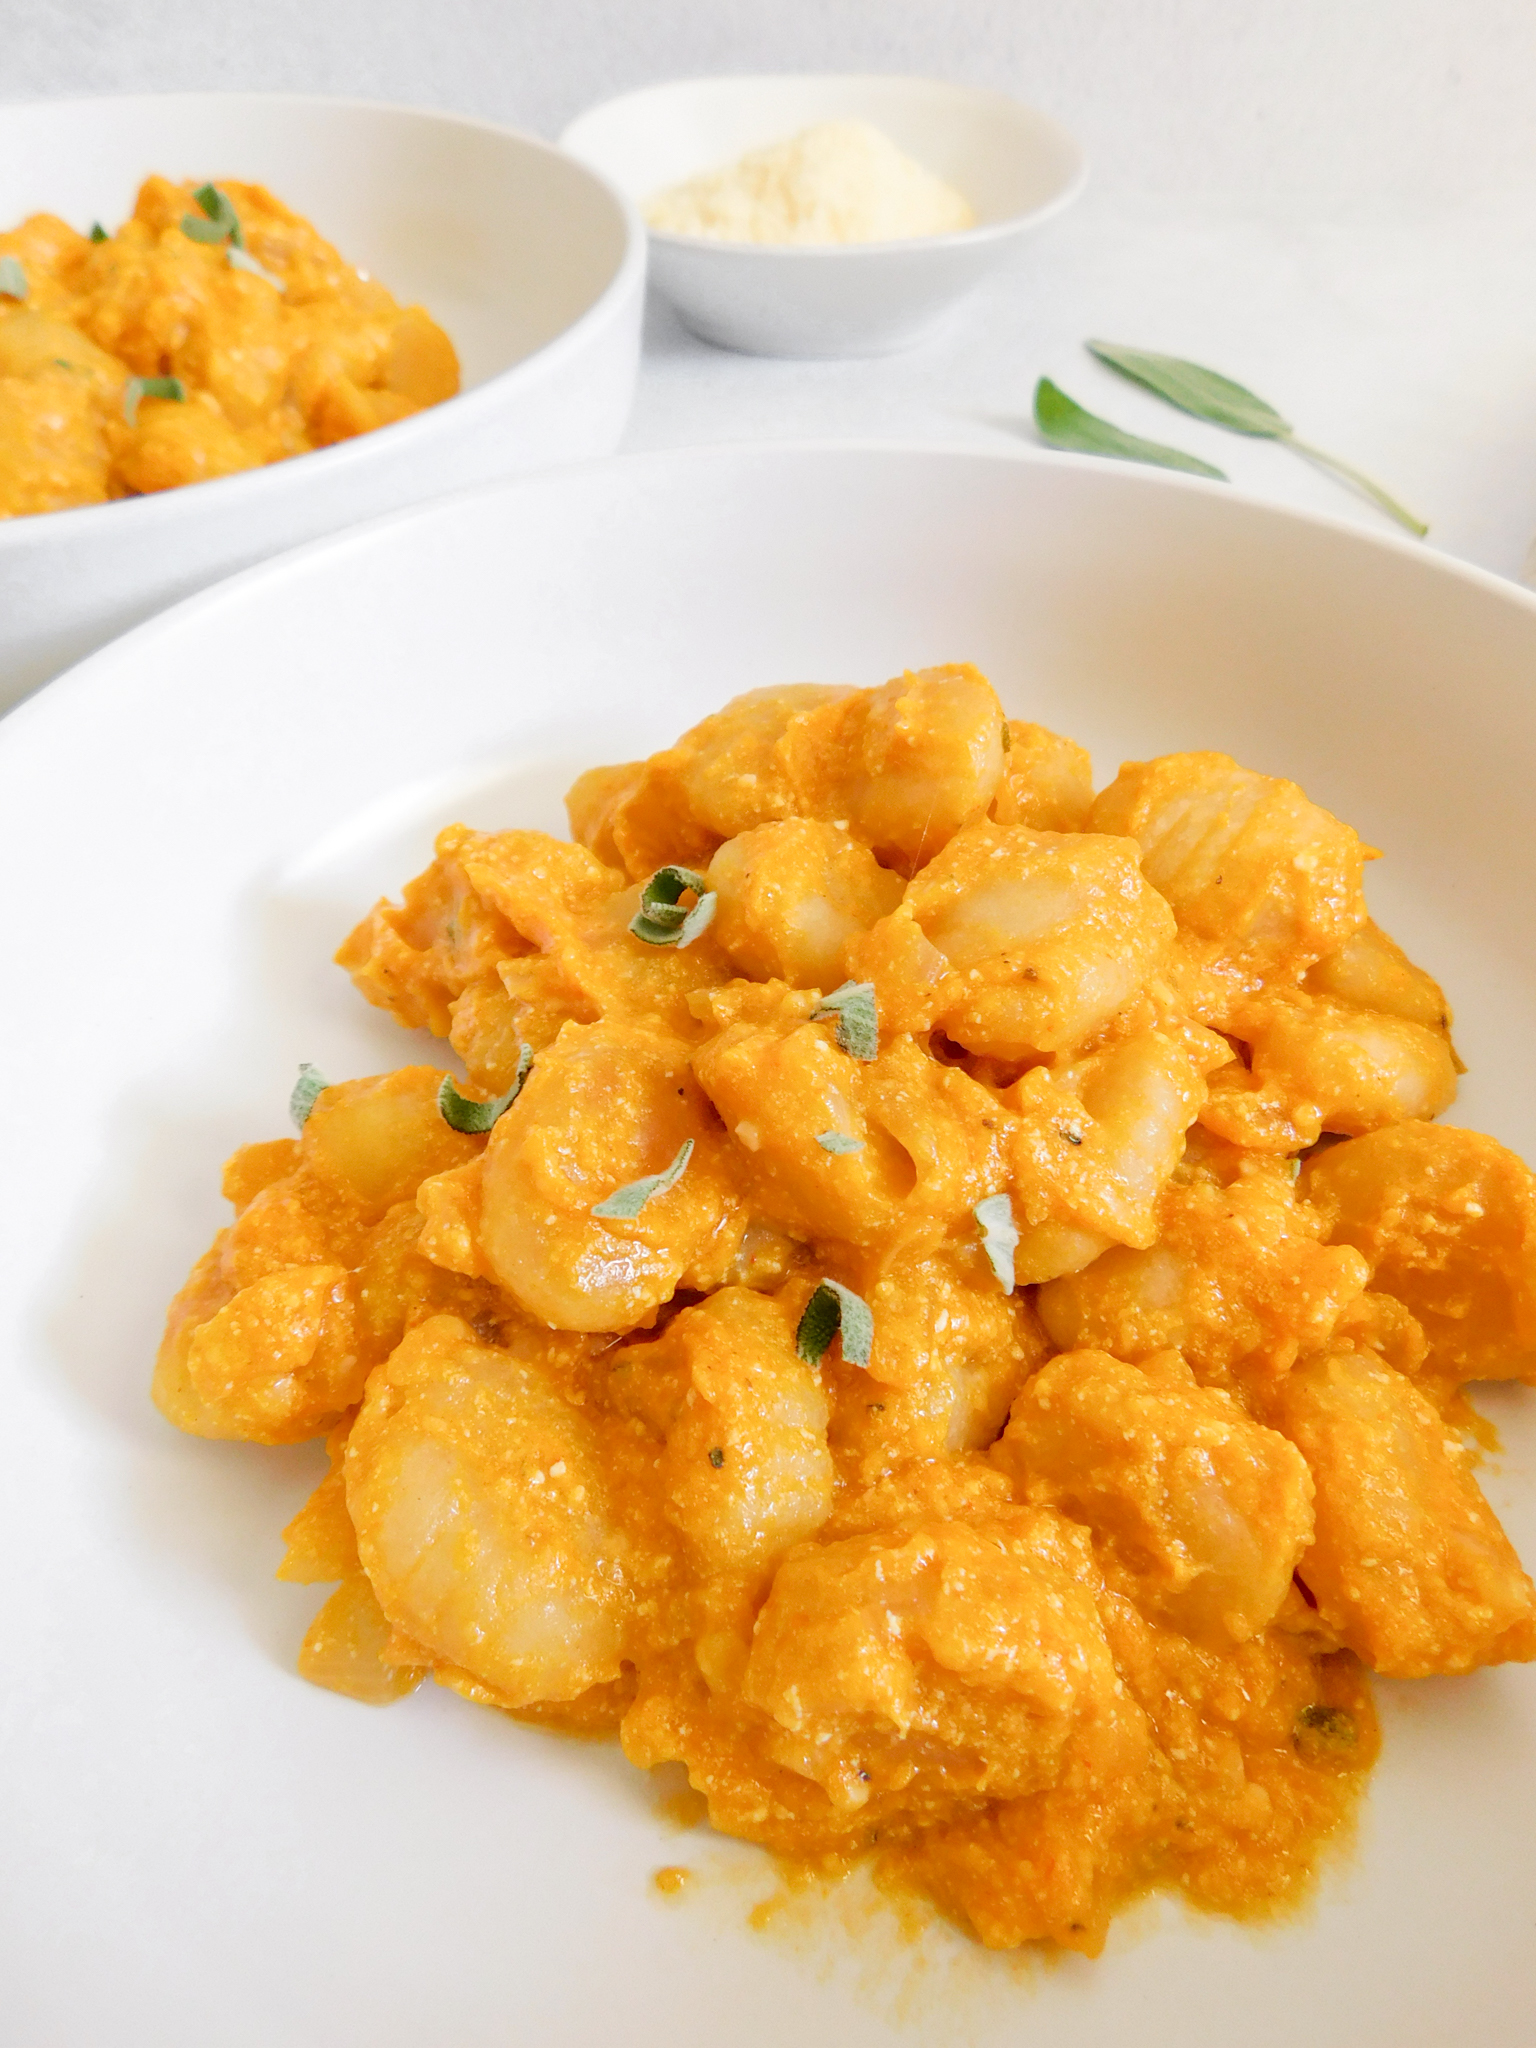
point(942, 1305)
point(841, 181)
point(215, 331)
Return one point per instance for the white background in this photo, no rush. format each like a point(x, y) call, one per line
point(1332, 200)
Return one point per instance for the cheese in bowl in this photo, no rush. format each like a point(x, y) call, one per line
point(215, 331)
point(943, 1305)
point(840, 181)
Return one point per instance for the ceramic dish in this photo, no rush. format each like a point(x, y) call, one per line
point(533, 263)
point(1014, 165)
point(200, 1847)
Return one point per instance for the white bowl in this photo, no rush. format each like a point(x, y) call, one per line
point(1015, 166)
point(199, 1847)
point(533, 264)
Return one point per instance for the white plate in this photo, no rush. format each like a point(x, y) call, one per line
point(199, 1848)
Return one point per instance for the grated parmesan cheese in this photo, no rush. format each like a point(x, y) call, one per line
point(842, 181)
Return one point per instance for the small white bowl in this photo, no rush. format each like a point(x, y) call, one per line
point(1015, 166)
point(533, 264)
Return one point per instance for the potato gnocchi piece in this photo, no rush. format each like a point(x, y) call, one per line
point(1237, 1282)
point(790, 897)
point(603, 1107)
point(906, 766)
point(1409, 1565)
point(1261, 879)
point(953, 1660)
point(483, 1518)
point(1047, 781)
point(1206, 1510)
point(1318, 1065)
point(951, 1351)
point(1037, 938)
point(1446, 1219)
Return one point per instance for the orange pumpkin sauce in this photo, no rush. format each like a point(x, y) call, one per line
point(302, 352)
point(1065, 1584)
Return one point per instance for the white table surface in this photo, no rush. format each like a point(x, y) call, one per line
point(1331, 200)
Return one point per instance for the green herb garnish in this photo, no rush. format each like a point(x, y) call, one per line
point(834, 1308)
point(150, 387)
point(1065, 424)
point(99, 233)
point(839, 1141)
point(663, 919)
point(999, 1236)
point(219, 222)
point(463, 1113)
point(310, 1084)
point(1207, 395)
point(858, 1020)
point(13, 279)
point(626, 1202)
point(717, 1457)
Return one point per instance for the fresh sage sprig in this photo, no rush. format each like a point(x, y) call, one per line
point(463, 1113)
point(858, 1020)
point(1207, 395)
point(1066, 424)
point(663, 919)
point(999, 1236)
point(150, 387)
point(626, 1202)
point(834, 1308)
point(310, 1085)
point(13, 279)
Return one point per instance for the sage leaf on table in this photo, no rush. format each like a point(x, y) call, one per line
point(1065, 424)
point(1207, 395)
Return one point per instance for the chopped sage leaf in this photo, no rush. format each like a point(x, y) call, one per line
point(663, 919)
point(242, 259)
point(839, 1141)
point(309, 1086)
point(1207, 395)
point(13, 279)
point(98, 232)
point(462, 1113)
point(196, 229)
point(717, 1457)
point(858, 1021)
point(150, 387)
point(627, 1202)
point(831, 1310)
point(1063, 423)
point(999, 1236)
point(216, 205)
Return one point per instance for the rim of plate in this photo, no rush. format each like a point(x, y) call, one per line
point(152, 506)
point(28, 723)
